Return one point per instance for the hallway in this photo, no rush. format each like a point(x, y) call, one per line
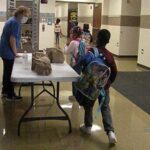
point(131, 123)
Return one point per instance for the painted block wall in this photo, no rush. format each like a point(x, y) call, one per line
point(111, 9)
point(46, 38)
point(127, 40)
point(129, 35)
point(85, 11)
point(83, 1)
point(62, 13)
point(144, 40)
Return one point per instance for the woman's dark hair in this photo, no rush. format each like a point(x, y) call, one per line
point(76, 31)
point(103, 37)
point(57, 20)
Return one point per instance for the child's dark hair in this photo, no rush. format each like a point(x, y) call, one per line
point(57, 20)
point(85, 27)
point(103, 37)
point(76, 31)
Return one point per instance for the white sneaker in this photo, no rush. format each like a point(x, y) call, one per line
point(112, 137)
point(85, 129)
point(72, 98)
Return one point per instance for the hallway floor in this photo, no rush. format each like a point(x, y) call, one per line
point(132, 125)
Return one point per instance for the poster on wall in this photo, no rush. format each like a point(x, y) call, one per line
point(49, 20)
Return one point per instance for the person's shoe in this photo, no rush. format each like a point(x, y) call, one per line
point(3, 95)
point(112, 137)
point(85, 129)
point(13, 98)
point(72, 98)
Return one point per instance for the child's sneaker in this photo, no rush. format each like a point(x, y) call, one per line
point(85, 129)
point(112, 137)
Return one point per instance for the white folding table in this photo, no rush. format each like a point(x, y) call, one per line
point(60, 73)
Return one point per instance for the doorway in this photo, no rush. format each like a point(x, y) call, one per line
point(83, 13)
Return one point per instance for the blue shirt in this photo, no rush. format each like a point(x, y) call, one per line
point(12, 27)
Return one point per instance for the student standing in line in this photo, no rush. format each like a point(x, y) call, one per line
point(57, 30)
point(86, 36)
point(9, 43)
point(76, 46)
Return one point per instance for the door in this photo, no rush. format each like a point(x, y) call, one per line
point(96, 19)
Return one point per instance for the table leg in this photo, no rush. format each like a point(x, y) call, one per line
point(29, 108)
point(20, 90)
point(58, 104)
point(44, 89)
point(26, 119)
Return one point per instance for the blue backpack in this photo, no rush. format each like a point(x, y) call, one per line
point(93, 78)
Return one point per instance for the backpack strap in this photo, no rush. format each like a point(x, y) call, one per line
point(96, 52)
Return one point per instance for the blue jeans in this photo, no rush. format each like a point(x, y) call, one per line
point(105, 110)
point(106, 113)
point(57, 34)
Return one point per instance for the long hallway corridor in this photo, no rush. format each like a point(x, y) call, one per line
point(132, 124)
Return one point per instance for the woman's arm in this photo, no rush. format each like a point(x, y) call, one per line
point(13, 44)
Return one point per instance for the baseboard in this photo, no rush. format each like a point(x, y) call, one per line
point(143, 66)
point(125, 56)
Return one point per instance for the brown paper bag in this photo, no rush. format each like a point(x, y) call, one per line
point(55, 55)
point(41, 64)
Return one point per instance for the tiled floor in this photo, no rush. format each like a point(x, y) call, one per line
point(132, 125)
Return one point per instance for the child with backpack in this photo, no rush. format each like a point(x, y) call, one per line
point(99, 72)
point(86, 36)
point(76, 50)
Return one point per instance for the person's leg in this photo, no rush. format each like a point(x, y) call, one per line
point(88, 116)
point(58, 37)
point(106, 113)
point(88, 112)
point(107, 119)
point(4, 80)
point(78, 70)
point(8, 86)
